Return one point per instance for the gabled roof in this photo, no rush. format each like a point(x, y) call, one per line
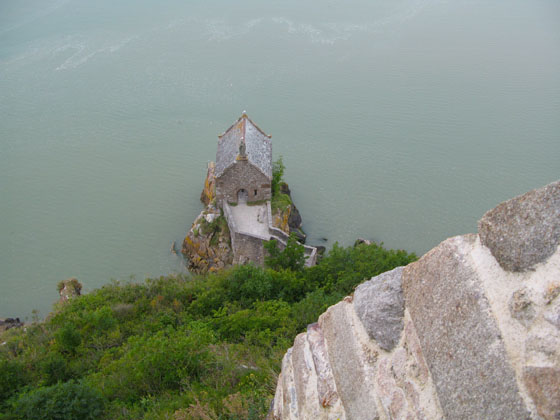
point(258, 146)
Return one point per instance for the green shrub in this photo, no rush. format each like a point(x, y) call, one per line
point(291, 258)
point(68, 338)
point(63, 401)
point(178, 346)
point(151, 364)
point(55, 369)
point(278, 169)
point(13, 376)
point(280, 202)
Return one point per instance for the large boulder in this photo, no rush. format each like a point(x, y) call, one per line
point(207, 245)
point(69, 289)
point(470, 331)
point(379, 304)
point(208, 194)
point(459, 336)
point(525, 230)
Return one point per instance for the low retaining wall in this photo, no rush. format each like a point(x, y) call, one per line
point(282, 238)
point(249, 247)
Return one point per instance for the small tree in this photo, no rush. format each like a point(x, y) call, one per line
point(291, 258)
point(277, 175)
point(63, 401)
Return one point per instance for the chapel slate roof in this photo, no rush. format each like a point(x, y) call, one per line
point(257, 143)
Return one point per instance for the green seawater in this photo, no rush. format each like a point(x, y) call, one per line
point(400, 121)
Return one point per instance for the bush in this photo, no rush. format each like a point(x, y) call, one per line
point(154, 363)
point(68, 338)
point(290, 258)
point(55, 368)
point(278, 169)
point(12, 377)
point(63, 401)
point(178, 347)
point(280, 202)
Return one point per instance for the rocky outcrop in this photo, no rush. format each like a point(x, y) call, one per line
point(207, 245)
point(68, 289)
point(470, 331)
point(208, 194)
point(525, 230)
point(289, 219)
point(8, 323)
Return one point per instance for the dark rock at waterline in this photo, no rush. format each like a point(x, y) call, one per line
point(285, 189)
point(360, 241)
point(7, 323)
point(320, 249)
point(300, 235)
point(294, 220)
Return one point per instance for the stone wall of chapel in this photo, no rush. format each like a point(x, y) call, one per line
point(248, 249)
point(242, 175)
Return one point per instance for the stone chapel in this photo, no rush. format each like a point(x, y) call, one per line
point(243, 170)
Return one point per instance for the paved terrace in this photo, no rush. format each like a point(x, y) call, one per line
point(251, 219)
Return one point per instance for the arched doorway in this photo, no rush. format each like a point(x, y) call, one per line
point(242, 196)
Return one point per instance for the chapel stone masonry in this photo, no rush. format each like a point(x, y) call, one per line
point(242, 176)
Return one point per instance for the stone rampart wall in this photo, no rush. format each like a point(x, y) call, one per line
point(469, 331)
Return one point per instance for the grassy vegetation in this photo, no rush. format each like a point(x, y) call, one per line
point(256, 203)
point(176, 348)
point(280, 201)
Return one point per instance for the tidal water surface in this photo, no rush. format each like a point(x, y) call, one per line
point(400, 121)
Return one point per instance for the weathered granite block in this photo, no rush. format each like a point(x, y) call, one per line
point(543, 384)
point(392, 397)
point(553, 315)
point(326, 388)
point(379, 304)
point(349, 369)
point(525, 230)
point(289, 407)
point(521, 307)
point(302, 363)
point(460, 340)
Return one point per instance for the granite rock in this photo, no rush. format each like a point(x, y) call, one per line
point(553, 315)
point(459, 336)
point(521, 307)
point(326, 388)
point(349, 364)
point(543, 384)
point(525, 230)
point(379, 304)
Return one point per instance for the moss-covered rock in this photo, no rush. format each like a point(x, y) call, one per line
point(69, 288)
point(207, 246)
point(285, 215)
point(208, 194)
